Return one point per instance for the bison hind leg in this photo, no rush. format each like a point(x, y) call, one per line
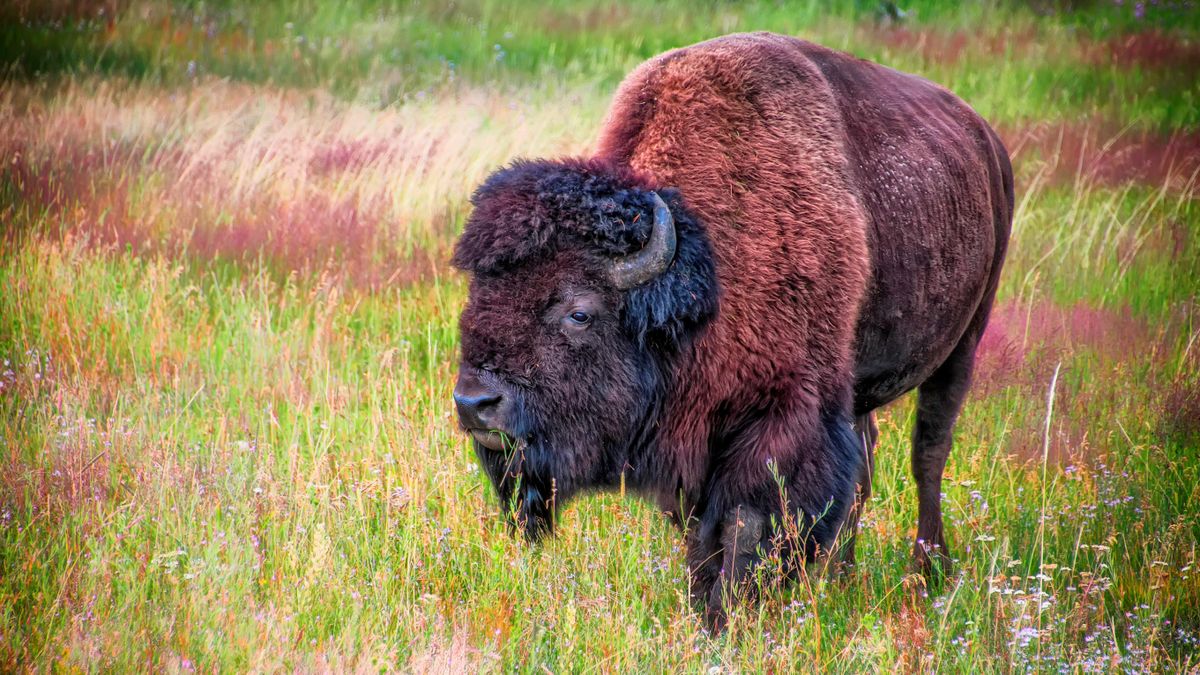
point(939, 401)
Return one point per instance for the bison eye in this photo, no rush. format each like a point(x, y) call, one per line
point(580, 318)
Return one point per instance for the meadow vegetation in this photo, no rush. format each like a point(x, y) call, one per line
point(228, 340)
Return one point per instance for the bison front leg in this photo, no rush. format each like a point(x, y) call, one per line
point(868, 433)
point(823, 493)
point(803, 492)
point(722, 557)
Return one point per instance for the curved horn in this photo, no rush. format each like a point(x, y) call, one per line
point(655, 256)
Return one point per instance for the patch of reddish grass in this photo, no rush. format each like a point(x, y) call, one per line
point(1149, 49)
point(1099, 154)
point(594, 18)
point(1179, 406)
point(60, 184)
point(1024, 344)
point(96, 191)
point(75, 473)
point(936, 46)
point(1180, 409)
point(345, 155)
point(910, 632)
point(244, 174)
point(317, 233)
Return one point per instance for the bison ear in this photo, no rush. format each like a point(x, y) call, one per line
point(669, 308)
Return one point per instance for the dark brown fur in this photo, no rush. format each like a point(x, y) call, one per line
point(856, 218)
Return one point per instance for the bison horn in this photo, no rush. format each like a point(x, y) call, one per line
point(655, 256)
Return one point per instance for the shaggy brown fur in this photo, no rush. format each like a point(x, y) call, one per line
point(856, 218)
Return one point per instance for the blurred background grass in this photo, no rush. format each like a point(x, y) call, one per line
point(381, 53)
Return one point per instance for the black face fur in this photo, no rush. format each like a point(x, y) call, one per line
point(581, 365)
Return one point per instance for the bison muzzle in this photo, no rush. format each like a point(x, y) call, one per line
point(772, 240)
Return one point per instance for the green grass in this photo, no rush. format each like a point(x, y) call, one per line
point(382, 52)
point(226, 451)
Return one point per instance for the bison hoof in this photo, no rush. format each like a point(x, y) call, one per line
point(715, 620)
point(932, 561)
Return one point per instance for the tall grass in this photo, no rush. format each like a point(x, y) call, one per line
point(228, 171)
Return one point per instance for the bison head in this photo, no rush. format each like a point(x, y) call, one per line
point(585, 285)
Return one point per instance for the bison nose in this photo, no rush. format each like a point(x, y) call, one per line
point(478, 407)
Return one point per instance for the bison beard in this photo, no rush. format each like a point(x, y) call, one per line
point(773, 240)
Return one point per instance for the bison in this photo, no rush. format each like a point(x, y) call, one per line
point(772, 240)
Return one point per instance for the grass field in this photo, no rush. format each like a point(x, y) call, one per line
point(228, 334)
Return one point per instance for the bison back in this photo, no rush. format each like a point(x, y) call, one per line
point(858, 215)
